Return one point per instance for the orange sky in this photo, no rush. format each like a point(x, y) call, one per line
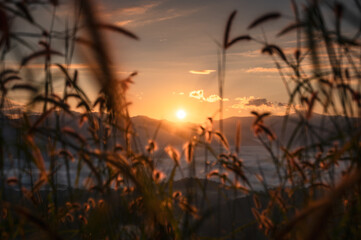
point(177, 59)
point(177, 56)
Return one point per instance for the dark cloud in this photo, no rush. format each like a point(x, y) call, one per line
point(259, 102)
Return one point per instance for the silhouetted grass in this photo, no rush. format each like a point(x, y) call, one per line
point(113, 189)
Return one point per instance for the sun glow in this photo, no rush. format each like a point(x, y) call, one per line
point(181, 114)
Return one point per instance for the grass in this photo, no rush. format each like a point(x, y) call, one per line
point(123, 195)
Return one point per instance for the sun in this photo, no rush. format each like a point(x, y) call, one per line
point(181, 114)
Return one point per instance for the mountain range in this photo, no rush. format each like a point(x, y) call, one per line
point(163, 132)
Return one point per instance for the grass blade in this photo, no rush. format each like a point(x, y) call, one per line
point(264, 18)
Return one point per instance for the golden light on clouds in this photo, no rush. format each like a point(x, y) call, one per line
point(123, 23)
point(137, 10)
point(199, 94)
point(202, 72)
point(247, 104)
point(262, 70)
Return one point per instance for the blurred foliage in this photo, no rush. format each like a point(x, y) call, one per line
point(124, 195)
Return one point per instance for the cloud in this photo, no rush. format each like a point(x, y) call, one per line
point(145, 15)
point(123, 23)
point(262, 70)
point(199, 94)
point(170, 14)
point(75, 66)
point(213, 98)
point(71, 66)
point(259, 104)
point(253, 53)
point(135, 10)
point(202, 72)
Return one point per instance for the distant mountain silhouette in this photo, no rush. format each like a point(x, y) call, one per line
point(165, 133)
point(317, 128)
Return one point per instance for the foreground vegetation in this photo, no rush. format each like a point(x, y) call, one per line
point(125, 196)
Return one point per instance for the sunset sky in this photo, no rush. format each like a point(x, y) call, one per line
point(177, 56)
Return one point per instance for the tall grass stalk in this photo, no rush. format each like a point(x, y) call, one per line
point(113, 187)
